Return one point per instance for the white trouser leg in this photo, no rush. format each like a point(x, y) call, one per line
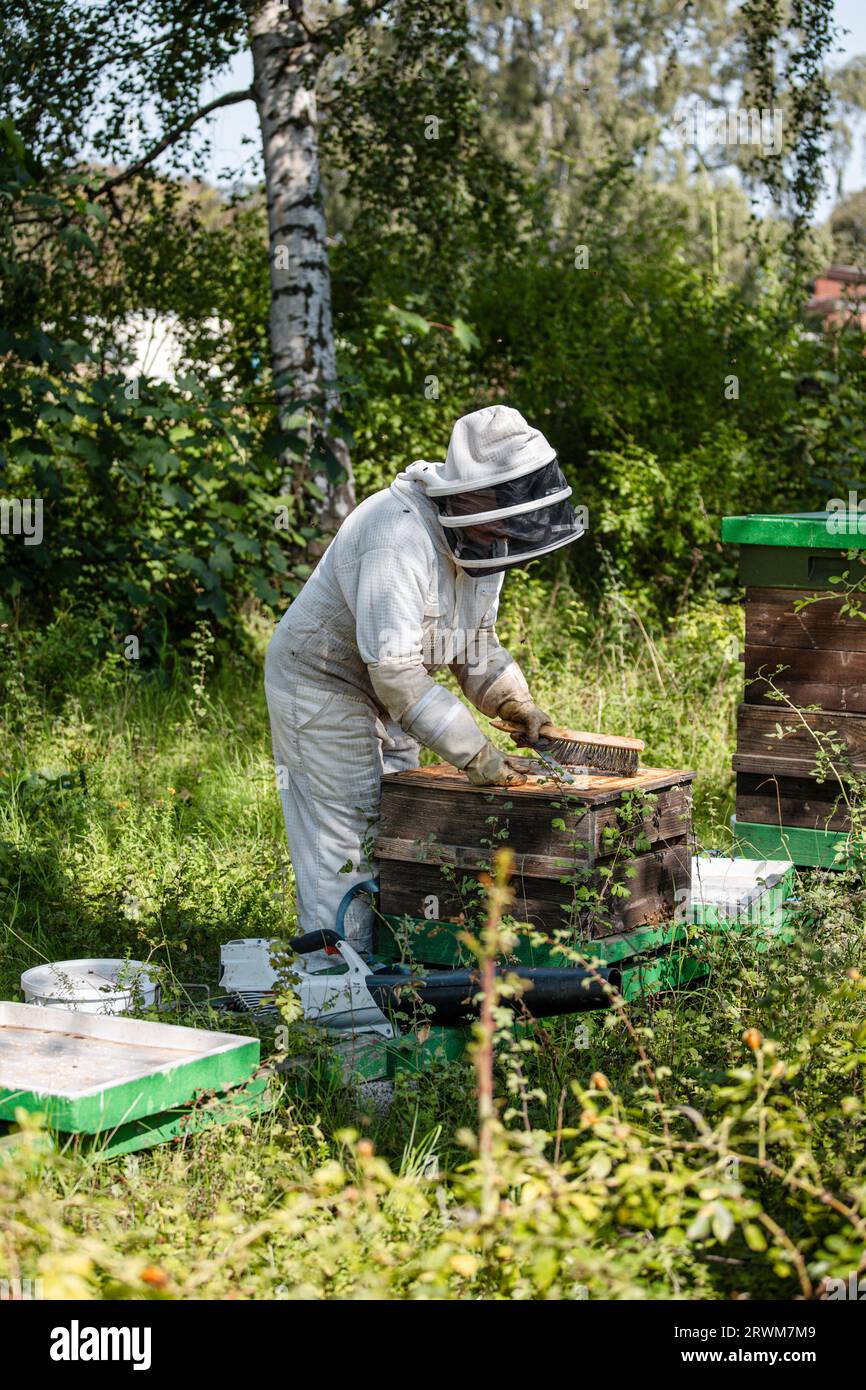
point(328, 758)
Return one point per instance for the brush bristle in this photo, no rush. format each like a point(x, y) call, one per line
point(622, 762)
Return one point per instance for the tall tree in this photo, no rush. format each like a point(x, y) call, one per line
point(82, 83)
point(126, 85)
point(287, 60)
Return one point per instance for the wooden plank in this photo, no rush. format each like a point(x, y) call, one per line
point(832, 680)
point(669, 818)
point(529, 826)
point(759, 749)
point(598, 789)
point(849, 699)
point(782, 767)
point(419, 890)
point(469, 857)
point(764, 798)
point(771, 621)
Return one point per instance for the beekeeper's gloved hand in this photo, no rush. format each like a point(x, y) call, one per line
point(490, 768)
point(520, 709)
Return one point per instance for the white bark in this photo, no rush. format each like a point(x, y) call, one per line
point(285, 70)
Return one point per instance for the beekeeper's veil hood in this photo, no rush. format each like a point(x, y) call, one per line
point(501, 495)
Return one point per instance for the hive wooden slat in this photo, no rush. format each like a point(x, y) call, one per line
point(772, 621)
point(660, 878)
point(835, 680)
point(790, 740)
point(773, 798)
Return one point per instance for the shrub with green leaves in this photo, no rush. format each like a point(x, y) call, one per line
point(160, 505)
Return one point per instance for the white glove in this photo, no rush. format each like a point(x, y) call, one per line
point(490, 768)
point(521, 710)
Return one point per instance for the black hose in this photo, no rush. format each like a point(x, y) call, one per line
point(449, 996)
point(314, 941)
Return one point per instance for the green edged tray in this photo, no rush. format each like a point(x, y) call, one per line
point(91, 1073)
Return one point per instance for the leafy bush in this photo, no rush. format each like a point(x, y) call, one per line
point(159, 504)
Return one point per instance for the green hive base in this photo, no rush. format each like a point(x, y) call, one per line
point(650, 959)
point(181, 1122)
point(811, 849)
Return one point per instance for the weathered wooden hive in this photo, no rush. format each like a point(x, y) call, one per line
point(603, 858)
point(783, 809)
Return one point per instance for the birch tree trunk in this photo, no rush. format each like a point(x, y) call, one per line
point(285, 70)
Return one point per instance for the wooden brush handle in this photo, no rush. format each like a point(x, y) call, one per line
point(553, 731)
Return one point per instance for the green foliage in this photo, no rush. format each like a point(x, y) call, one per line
point(158, 503)
point(424, 192)
point(671, 373)
point(673, 398)
point(124, 59)
point(406, 378)
point(848, 228)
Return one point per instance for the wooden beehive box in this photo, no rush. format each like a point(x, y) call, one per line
point(437, 836)
point(782, 809)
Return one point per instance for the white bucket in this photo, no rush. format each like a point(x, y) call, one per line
point(91, 986)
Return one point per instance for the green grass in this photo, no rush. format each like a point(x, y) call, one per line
point(138, 816)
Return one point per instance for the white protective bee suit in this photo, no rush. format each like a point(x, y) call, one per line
point(348, 674)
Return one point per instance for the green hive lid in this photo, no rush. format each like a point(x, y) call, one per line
point(830, 530)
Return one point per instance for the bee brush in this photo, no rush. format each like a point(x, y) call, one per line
point(605, 753)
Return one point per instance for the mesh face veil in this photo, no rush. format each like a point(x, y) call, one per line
point(495, 526)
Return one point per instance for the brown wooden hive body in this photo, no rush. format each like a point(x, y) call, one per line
point(823, 649)
point(432, 817)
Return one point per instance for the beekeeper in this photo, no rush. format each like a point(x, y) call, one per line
point(409, 585)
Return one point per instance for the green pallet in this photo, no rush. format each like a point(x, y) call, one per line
point(649, 959)
point(170, 1125)
point(824, 849)
point(437, 943)
point(654, 974)
point(181, 1122)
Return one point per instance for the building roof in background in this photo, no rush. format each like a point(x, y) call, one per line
point(845, 274)
point(836, 305)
